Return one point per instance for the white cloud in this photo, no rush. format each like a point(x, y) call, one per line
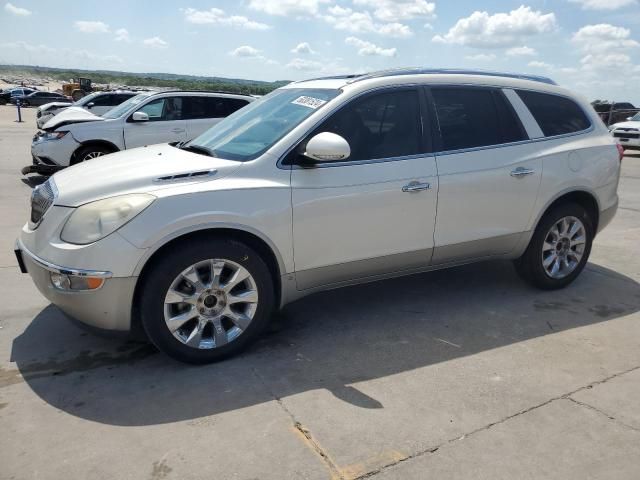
point(499, 30)
point(304, 64)
point(216, 16)
point(603, 37)
point(521, 52)
point(19, 11)
point(538, 64)
point(604, 4)
point(368, 49)
point(287, 7)
point(395, 10)
point(245, 51)
point(362, 22)
point(155, 42)
point(91, 26)
point(481, 57)
point(122, 35)
point(303, 48)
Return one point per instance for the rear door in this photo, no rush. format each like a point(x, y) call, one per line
point(165, 123)
point(489, 175)
point(203, 112)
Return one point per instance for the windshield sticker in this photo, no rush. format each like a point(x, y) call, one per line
point(309, 102)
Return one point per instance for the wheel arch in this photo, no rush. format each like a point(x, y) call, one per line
point(253, 239)
point(101, 143)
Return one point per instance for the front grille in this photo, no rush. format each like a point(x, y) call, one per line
point(626, 135)
point(42, 198)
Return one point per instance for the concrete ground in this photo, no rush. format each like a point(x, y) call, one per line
point(465, 373)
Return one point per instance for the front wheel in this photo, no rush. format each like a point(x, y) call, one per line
point(559, 248)
point(206, 300)
point(89, 153)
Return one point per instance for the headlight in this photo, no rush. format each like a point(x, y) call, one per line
point(93, 221)
point(53, 135)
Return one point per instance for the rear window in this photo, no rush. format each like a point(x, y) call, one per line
point(475, 117)
point(555, 115)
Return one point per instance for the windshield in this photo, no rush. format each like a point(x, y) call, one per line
point(124, 107)
point(252, 130)
point(636, 117)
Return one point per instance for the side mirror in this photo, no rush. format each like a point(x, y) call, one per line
point(91, 105)
point(140, 117)
point(327, 147)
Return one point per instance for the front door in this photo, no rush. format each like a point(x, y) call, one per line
point(165, 124)
point(374, 212)
point(489, 174)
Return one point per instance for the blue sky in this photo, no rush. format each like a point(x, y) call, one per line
point(592, 46)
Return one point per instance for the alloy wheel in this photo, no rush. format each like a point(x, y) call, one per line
point(563, 247)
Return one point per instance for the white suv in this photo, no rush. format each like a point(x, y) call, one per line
point(76, 135)
point(97, 103)
point(627, 133)
point(321, 184)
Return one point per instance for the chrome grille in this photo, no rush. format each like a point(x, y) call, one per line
point(42, 198)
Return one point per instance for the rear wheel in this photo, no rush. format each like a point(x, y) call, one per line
point(559, 248)
point(206, 301)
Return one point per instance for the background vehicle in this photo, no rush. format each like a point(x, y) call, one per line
point(76, 135)
point(322, 184)
point(97, 103)
point(615, 112)
point(628, 132)
point(8, 94)
point(35, 99)
point(78, 88)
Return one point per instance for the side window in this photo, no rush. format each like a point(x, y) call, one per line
point(474, 117)
point(556, 115)
point(230, 105)
point(163, 109)
point(195, 107)
point(103, 101)
point(382, 125)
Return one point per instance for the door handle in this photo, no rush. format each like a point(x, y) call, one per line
point(416, 187)
point(178, 130)
point(522, 172)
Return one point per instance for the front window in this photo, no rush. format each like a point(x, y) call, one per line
point(636, 117)
point(252, 130)
point(124, 108)
point(88, 99)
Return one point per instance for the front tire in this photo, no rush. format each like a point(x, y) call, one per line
point(559, 249)
point(89, 153)
point(206, 300)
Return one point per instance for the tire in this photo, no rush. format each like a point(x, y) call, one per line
point(166, 277)
point(89, 153)
point(3, 101)
point(537, 263)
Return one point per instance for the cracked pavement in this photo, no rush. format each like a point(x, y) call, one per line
point(464, 373)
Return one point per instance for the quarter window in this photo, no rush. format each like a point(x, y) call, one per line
point(475, 117)
point(383, 125)
point(555, 115)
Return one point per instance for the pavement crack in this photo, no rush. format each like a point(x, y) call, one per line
point(601, 412)
point(304, 432)
point(565, 396)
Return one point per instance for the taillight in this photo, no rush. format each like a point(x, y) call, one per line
point(620, 151)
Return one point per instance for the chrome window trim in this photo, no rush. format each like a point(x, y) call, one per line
point(52, 267)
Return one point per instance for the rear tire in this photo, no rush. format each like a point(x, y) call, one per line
point(559, 249)
point(214, 315)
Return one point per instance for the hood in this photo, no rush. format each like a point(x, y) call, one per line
point(139, 170)
point(633, 124)
point(71, 115)
point(49, 105)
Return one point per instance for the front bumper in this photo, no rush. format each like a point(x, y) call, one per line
point(56, 151)
point(627, 139)
point(108, 307)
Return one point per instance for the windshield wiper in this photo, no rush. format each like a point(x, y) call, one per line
point(196, 149)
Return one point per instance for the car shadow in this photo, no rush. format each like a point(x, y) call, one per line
point(327, 341)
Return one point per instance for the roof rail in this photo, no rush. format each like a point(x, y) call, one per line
point(445, 71)
point(333, 77)
point(182, 90)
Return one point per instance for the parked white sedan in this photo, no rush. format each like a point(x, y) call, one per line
point(97, 103)
point(628, 133)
